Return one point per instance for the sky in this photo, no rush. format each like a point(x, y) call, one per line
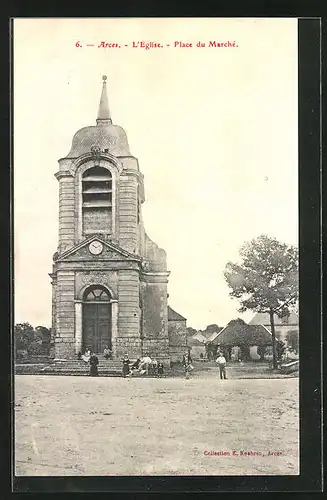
point(214, 130)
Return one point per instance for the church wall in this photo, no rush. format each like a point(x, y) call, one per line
point(128, 203)
point(177, 339)
point(66, 213)
point(54, 305)
point(104, 277)
point(65, 314)
point(155, 321)
point(128, 300)
point(154, 299)
point(155, 256)
point(128, 339)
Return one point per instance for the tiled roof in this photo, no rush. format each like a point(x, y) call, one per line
point(213, 335)
point(199, 336)
point(193, 341)
point(237, 332)
point(174, 316)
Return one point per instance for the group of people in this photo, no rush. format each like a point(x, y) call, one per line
point(146, 365)
point(142, 366)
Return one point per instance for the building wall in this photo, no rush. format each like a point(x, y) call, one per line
point(154, 301)
point(65, 314)
point(66, 213)
point(128, 209)
point(282, 330)
point(197, 350)
point(106, 277)
point(128, 339)
point(177, 339)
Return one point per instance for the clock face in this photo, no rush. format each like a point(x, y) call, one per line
point(96, 247)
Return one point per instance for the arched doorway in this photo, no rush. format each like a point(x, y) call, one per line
point(96, 318)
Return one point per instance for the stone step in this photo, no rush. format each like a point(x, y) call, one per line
point(112, 367)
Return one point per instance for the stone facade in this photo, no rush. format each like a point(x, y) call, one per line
point(177, 335)
point(104, 260)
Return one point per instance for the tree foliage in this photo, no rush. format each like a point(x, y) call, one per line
point(190, 331)
point(33, 340)
point(23, 335)
point(267, 278)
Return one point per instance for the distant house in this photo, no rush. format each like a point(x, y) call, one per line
point(284, 327)
point(176, 335)
point(197, 345)
point(200, 336)
point(242, 340)
point(212, 335)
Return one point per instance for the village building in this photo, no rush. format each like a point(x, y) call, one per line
point(240, 341)
point(286, 328)
point(197, 346)
point(176, 335)
point(109, 279)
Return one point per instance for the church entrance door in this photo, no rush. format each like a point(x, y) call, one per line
point(96, 319)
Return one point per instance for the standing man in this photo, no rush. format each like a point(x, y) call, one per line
point(221, 360)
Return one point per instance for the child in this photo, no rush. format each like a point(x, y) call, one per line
point(126, 365)
point(187, 365)
point(160, 369)
point(154, 367)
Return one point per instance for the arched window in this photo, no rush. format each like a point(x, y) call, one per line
point(97, 200)
point(96, 293)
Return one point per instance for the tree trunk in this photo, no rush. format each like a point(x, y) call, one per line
point(273, 335)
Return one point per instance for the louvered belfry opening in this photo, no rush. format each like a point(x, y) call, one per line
point(97, 200)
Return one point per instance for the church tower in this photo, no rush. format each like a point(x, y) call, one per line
point(109, 280)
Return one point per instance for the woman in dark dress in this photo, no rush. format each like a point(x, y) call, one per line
point(94, 361)
point(126, 365)
point(160, 369)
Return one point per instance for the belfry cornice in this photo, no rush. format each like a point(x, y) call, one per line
point(131, 171)
point(99, 159)
point(63, 173)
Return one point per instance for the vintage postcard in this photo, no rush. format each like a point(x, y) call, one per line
point(156, 247)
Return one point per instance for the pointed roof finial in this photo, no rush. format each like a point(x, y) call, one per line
point(103, 113)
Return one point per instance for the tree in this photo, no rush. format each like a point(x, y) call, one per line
point(212, 328)
point(266, 280)
point(44, 334)
point(23, 336)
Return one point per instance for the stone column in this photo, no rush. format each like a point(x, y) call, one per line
point(78, 326)
point(114, 324)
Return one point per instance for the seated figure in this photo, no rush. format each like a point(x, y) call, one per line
point(107, 353)
point(86, 356)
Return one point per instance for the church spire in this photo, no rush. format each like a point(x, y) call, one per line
point(104, 113)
